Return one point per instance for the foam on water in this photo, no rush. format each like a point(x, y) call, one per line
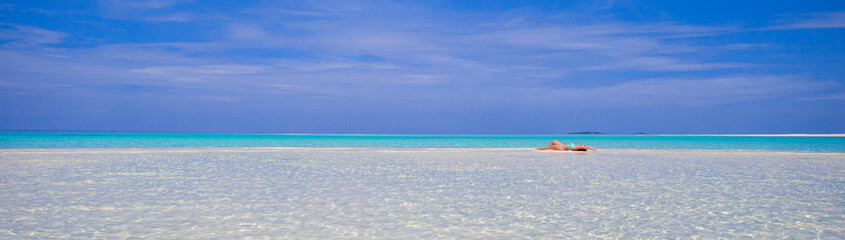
point(419, 193)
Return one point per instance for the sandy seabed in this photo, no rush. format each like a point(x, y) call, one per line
point(325, 193)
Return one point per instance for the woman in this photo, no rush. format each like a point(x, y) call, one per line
point(555, 145)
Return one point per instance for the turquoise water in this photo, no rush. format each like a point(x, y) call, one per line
point(170, 140)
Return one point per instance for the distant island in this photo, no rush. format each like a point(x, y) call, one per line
point(586, 133)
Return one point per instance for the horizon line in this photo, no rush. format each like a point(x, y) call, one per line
point(574, 133)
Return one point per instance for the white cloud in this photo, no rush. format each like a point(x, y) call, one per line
point(744, 46)
point(427, 60)
point(660, 64)
point(246, 31)
point(306, 66)
point(20, 35)
point(424, 78)
point(228, 99)
point(679, 91)
point(226, 69)
point(141, 4)
point(411, 40)
point(606, 47)
point(176, 17)
point(157, 11)
point(450, 81)
point(839, 96)
point(813, 21)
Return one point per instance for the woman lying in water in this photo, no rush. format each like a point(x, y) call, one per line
point(555, 145)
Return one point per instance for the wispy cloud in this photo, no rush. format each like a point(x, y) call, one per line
point(172, 17)
point(141, 4)
point(660, 64)
point(812, 21)
point(408, 53)
point(605, 47)
point(229, 69)
point(157, 11)
point(680, 91)
point(397, 54)
point(406, 36)
point(21, 36)
point(246, 32)
point(744, 46)
point(839, 96)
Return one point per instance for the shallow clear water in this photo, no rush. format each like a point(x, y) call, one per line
point(419, 193)
point(166, 140)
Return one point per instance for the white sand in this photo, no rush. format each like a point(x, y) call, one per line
point(200, 193)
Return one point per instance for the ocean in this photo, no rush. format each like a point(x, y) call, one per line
point(241, 186)
point(182, 140)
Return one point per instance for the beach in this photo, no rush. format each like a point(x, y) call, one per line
point(362, 192)
point(180, 119)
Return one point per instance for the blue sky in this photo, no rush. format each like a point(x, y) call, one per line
point(423, 66)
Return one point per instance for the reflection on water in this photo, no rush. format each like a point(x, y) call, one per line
point(419, 193)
